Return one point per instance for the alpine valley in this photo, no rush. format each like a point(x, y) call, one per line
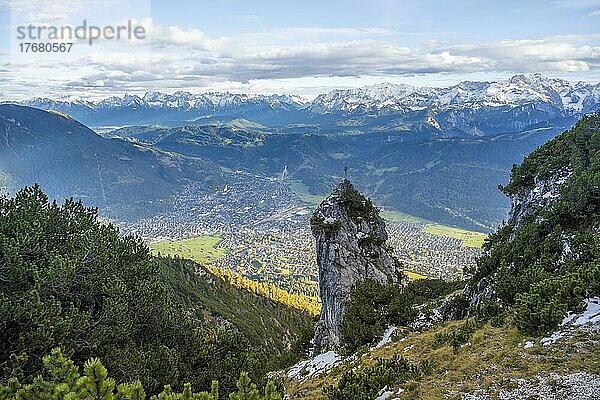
point(383, 242)
point(403, 144)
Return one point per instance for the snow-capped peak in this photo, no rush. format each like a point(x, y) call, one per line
point(532, 91)
point(516, 91)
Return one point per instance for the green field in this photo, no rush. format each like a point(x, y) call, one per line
point(398, 216)
point(469, 238)
point(302, 191)
point(201, 249)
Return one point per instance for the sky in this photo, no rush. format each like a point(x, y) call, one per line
point(296, 47)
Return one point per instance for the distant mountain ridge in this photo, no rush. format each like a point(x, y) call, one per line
point(156, 107)
point(68, 159)
point(579, 97)
point(466, 109)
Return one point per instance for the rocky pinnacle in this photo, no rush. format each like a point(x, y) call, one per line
point(350, 237)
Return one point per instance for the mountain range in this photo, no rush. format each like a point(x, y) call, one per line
point(435, 153)
point(124, 180)
point(466, 109)
point(449, 180)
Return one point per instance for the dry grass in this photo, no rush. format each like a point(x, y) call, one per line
point(492, 360)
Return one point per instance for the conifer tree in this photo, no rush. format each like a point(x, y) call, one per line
point(271, 392)
point(246, 389)
point(95, 384)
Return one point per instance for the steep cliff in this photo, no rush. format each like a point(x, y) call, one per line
point(530, 201)
point(551, 238)
point(529, 204)
point(350, 237)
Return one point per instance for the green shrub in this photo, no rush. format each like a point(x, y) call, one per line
point(487, 309)
point(371, 309)
point(365, 384)
point(318, 224)
point(457, 337)
point(61, 379)
point(374, 306)
point(544, 306)
point(356, 205)
point(425, 290)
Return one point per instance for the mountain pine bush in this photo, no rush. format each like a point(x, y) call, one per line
point(366, 384)
point(61, 379)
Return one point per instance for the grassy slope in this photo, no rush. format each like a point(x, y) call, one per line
point(203, 250)
point(398, 216)
point(491, 360)
point(303, 192)
point(265, 322)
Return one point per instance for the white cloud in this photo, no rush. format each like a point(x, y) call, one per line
point(553, 54)
point(259, 56)
point(174, 58)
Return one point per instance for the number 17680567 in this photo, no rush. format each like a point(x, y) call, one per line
point(45, 47)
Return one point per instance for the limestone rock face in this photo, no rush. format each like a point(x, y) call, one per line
point(350, 237)
point(526, 206)
point(543, 194)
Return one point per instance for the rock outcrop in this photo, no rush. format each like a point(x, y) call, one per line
point(350, 237)
point(542, 194)
point(526, 206)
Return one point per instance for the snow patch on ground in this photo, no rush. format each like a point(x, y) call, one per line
point(387, 337)
point(592, 313)
point(383, 394)
point(590, 316)
point(555, 337)
point(314, 366)
point(326, 361)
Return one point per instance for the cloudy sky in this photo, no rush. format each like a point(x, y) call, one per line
point(305, 48)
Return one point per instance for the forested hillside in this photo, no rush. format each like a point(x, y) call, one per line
point(545, 260)
point(124, 180)
point(68, 280)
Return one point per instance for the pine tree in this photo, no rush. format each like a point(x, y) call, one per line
point(271, 392)
point(246, 389)
point(214, 390)
point(132, 391)
point(95, 385)
point(63, 370)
